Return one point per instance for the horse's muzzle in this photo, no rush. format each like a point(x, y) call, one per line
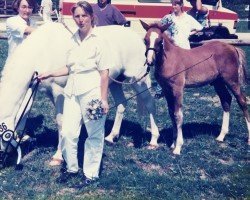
point(148, 49)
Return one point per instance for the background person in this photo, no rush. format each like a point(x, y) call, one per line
point(199, 12)
point(182, 25)
point(21, 25)
point(107, 14)
point(88, 62)
point(46, 10)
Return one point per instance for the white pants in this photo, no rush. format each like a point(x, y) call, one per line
point(73, 117)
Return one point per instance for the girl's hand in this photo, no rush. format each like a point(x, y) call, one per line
point(105, 106)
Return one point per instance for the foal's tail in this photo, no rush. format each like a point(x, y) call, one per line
point(242, 66)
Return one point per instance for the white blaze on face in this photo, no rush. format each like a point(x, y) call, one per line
point(151, 53)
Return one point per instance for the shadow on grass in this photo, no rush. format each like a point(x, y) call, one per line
point(49, 137)
point(130, 129)
point(140, 137)
point(190, 130)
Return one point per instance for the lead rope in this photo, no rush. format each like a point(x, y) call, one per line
point(137, 94)
point(34, 87)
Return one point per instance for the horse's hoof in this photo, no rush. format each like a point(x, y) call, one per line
point(109, 141)
point(177, 151)
point(152, 147)
point(130, 144)
point(23, 139)
point(172, 146)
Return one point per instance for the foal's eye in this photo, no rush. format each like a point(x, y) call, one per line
point(145, 42)
point(159, 43)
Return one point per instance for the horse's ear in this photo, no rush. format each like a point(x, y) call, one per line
point(144, 25)
point(165, 27)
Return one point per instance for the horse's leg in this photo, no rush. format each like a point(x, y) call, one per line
point(147, 100)
point(174, 100)
point(55, 93)
point(120, 100)
point(225, 99)
point(25, 113)
point(242, 101)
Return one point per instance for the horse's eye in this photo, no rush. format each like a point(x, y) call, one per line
point(159, 43)
point(145, 42)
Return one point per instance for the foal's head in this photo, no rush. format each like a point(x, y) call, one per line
point(153, 39)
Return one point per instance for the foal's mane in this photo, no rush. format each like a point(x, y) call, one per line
point(157, 25)
point(164, 31)
point(166, 37)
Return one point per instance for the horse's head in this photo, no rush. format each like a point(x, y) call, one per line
point(153, 39)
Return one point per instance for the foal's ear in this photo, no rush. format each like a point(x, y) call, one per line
point(165, 27)
point(144, 25)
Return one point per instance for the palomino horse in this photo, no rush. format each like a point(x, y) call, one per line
point(46, 49)
point(220, 64)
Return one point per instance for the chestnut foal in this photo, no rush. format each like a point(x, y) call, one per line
point(216, 63)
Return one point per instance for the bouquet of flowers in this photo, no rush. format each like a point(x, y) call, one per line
point(94, 110)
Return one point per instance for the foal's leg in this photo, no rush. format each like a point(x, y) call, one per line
point(146, 98)
point(225, 99)
point(174, 100)
point(120, 100)
point(241, 100)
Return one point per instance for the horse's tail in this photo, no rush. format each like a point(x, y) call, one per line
point(242, 66)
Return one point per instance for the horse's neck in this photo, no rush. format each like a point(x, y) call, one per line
point(168, 44)
point(165, 49)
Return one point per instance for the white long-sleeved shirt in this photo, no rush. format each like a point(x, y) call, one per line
point(15, 28)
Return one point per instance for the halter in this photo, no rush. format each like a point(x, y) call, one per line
point(155, 51)
point(150, 48)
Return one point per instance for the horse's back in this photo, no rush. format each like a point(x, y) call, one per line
point(126, 48)
point(45, 49)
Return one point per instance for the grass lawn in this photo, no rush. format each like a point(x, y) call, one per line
point(206, 169)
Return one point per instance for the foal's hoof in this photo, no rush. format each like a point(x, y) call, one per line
point(219, 139)
point(152, 147)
